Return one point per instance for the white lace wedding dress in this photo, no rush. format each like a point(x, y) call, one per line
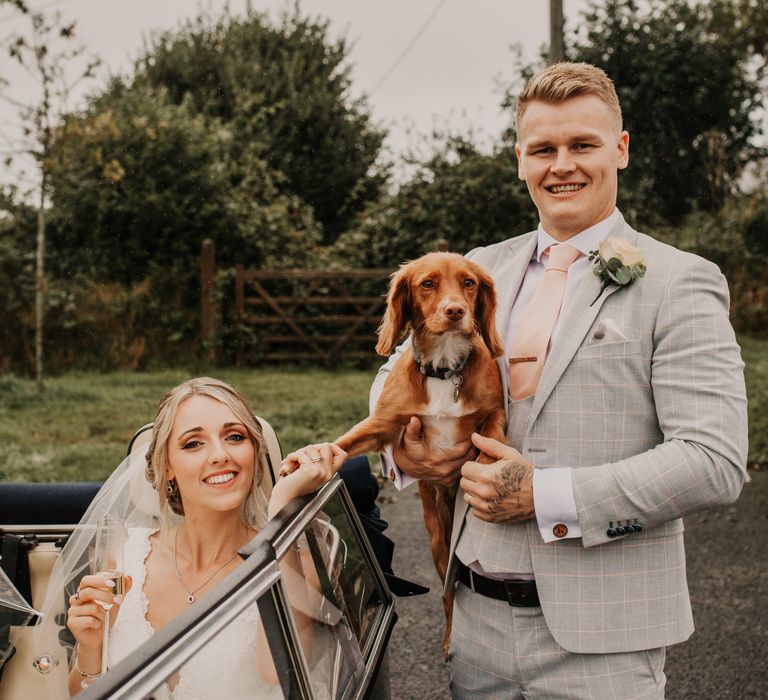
point(224, 668)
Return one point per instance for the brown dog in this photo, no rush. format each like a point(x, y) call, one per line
point(448, 378)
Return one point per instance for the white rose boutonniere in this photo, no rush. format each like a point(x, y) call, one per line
point(617, 262)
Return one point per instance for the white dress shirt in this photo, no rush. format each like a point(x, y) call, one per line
point(552, 487)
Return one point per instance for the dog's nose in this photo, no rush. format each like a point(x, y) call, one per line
point(454, 311)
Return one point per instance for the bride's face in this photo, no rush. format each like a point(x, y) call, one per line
point(211, 456)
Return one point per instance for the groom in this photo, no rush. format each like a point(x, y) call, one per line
point(626, 411)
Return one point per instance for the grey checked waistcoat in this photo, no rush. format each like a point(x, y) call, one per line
point(502, 547)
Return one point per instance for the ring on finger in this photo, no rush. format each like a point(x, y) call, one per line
point(468, 499)
point(316, 459)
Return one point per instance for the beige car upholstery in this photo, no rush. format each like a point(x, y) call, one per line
point(22, 680)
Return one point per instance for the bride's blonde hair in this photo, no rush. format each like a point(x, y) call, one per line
point(253, 510)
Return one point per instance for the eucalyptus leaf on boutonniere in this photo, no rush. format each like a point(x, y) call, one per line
point(617, 262)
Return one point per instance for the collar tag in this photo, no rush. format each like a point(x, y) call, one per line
point(457, 380)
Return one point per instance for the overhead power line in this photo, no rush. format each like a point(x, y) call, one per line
point(410, 45)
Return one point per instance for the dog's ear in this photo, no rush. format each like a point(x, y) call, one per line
point(398, 313)
point(485, 314)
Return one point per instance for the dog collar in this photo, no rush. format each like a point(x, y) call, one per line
point(429, 370)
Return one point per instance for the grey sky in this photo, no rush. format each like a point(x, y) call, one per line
point(447, 78)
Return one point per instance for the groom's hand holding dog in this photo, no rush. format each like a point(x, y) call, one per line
point(415, 458)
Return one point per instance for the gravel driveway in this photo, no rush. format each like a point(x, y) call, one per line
point(727, 553)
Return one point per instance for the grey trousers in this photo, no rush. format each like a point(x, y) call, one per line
point(504, 652)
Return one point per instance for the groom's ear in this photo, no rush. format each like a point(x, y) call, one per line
point(520, 169)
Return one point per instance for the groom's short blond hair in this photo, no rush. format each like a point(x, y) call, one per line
point(561, 81)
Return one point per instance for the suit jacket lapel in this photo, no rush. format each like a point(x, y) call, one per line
point(574, 326)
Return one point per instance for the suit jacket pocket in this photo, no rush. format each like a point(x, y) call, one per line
point(603, 351)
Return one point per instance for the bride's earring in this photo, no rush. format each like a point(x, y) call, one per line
point(170, 487)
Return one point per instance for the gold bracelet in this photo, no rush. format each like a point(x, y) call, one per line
point(84, 674)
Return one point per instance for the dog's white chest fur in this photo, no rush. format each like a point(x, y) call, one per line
point(440, 415)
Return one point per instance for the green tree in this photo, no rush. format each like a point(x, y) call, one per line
point(139, 182)
point(459, 195)
point(47, 51)
point(285, 90)
point(690, 78)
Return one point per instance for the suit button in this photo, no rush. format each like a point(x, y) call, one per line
point(560, 530)
point(629, 529)
point(611, 532)
point(620, 530)
point(637, 526)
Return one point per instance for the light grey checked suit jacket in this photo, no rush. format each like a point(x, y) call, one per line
point(655, 427)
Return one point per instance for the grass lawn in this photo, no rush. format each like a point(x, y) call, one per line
point(78, 429)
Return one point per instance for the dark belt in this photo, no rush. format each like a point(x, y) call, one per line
point(517, 593)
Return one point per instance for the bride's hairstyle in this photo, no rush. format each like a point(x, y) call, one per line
point(254, 508)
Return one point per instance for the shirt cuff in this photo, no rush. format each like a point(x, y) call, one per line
point(392, 472)
point(555, 504)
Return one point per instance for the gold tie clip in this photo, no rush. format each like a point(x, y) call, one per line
point(513, 360)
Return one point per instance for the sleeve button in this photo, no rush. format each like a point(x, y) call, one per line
point(560, 530)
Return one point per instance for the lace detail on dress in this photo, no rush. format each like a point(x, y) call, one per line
point(132, 628)
point(224, 668)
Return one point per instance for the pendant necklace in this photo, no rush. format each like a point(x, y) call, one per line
point(191, 594)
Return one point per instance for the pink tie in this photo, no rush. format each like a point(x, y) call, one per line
point(529, 349)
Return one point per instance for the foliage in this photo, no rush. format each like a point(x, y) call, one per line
point(755, 355)
point(282, 91)
point(17, 293)
point(140, 182)
point(459, 194)
point(736, 239)
point(689, 78)
point(45, 51)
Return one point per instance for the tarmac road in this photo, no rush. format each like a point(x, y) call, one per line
point(727, 558)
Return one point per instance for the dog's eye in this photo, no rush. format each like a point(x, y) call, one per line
point(468, 283)
point(428, 284)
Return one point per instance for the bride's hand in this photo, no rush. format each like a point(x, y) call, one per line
point(305, 471)
point(85, 617)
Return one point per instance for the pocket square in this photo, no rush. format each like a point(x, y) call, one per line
point(606, 331)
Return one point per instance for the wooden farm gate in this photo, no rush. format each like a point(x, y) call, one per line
point(320, 316)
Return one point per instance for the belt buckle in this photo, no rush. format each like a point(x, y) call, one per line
point(508, 589)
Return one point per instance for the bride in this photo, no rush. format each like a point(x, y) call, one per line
point(204, 465)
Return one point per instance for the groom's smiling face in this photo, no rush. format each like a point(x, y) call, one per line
point(569, 155)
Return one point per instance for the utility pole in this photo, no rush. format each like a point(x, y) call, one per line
point(556, 48)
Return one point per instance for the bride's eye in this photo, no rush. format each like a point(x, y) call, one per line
point(236, 437)
point(191, 444)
